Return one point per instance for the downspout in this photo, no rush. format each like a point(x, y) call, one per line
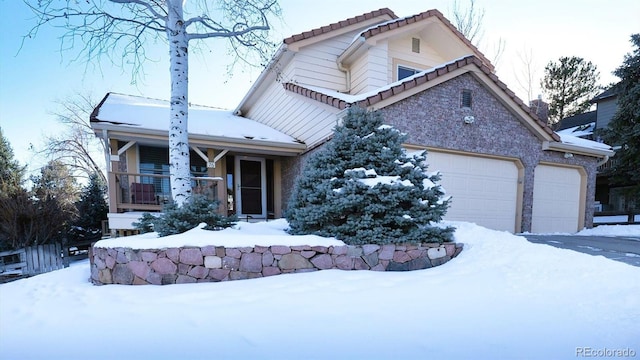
point(603, 161)
point(347, 76)
point(348, 52)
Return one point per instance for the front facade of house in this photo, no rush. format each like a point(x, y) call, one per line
point(504, 168)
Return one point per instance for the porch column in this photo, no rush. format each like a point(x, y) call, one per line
point(111, 177)
point(220, 170)
point(277, 188)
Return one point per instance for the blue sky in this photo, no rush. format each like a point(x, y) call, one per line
point(34, 74)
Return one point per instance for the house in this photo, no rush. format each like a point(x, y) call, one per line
point(609, 198)
point(504, 168)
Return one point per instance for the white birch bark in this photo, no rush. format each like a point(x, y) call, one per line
point(179, 166)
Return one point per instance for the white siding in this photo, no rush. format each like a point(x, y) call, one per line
point(400, 51)
point(316, 64)
point(369, 72)
point(303, 119)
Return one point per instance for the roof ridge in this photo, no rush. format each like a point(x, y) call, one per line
point(340, 24)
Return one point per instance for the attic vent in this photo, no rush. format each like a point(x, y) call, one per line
point(415, 45)
point(465, 99)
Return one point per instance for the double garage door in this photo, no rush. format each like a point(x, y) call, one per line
point(485, 191)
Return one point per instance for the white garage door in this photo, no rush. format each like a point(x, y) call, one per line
point(556, 199)
point(483, 190)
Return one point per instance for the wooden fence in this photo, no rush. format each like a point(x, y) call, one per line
point(34, 260)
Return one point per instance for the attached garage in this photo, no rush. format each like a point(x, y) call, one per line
point(484, 190)
point(557, 200)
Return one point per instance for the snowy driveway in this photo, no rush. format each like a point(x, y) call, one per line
point(620, 248)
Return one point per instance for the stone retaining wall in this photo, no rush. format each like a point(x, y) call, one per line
point(215, 263)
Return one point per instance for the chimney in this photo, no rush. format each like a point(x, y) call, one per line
point(540, 108)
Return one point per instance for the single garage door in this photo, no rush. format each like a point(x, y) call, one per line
point(483, 190)
point(556, 199)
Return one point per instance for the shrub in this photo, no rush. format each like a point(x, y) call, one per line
point(178, 219)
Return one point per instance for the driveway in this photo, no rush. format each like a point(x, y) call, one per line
point(620, 248)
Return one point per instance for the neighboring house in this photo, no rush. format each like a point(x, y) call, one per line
point(504, 168)
point(609, 198)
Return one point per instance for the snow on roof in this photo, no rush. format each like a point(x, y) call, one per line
point(152, 114)
point(579, 131)
point(589, 144)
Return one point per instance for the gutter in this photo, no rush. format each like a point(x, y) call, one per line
point(575, 149)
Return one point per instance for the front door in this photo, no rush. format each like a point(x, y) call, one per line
point(251, 184)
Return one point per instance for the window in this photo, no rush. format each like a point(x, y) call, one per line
point(465, 99)
point(415, 45)
point(155, 161)
point(405, 72)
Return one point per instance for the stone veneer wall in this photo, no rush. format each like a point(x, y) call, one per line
point(215, 263)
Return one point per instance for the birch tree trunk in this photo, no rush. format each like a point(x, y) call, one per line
point(178, 127)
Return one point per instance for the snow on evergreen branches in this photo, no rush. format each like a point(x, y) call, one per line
point(363, 188)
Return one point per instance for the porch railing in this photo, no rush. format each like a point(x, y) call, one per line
point(150, 192)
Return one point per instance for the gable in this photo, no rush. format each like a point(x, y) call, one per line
point(431, 27)
point(435, 118)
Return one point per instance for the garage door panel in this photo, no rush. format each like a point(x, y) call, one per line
point(556, 199)
point(483, 190)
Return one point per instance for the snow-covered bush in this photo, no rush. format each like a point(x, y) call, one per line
point(363, 188)
point(178, 219)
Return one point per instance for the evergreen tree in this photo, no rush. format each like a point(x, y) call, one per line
point(569, 84)
point(55, 192)
point(624, 128)
point(11, 173)
point(92, 209)
point(363, 188)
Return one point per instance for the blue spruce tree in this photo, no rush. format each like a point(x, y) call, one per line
point(363, 188)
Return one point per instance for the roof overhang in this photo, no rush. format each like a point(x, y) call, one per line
point(144, 120)
point(576, 149)
point(160, 137)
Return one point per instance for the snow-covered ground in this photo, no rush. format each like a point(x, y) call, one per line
point(503, 297)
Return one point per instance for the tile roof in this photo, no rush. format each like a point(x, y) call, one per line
point(339, 25)
point(414, 81)
point(398, 23)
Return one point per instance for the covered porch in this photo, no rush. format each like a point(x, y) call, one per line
point(234, 160)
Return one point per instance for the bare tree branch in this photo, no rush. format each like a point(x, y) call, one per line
point(121, 30)
point(76, 147)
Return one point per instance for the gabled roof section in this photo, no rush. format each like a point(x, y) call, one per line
point(611, 92)
point(402, 22)
point(340, 24)
point(342, 101)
